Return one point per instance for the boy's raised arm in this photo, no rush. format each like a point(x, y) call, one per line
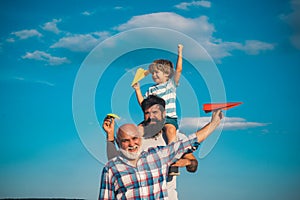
point(178, 65)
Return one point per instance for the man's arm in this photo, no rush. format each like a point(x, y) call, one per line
point(204, 132)
point(189, 161)
point(106, 190)
point(111, 150)
point(175, 151)
point(109, 127)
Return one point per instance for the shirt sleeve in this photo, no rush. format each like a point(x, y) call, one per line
point(171, 153)
point(106, 186)
point(173, 82)
point(111, 150)
point(147, 93)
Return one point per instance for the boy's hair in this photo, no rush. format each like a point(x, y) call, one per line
point(153, 100)
point(165, 66)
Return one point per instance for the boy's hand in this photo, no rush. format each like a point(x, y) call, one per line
point(146, 73)
point(136, 86)
point(180, 47)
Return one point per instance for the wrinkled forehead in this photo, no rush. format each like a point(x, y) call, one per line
point(155, 107)
point(129, 131)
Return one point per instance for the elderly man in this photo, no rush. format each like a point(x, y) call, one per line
point(138, 174)
point(154, 135)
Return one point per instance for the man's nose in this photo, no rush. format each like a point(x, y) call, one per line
point(131, 143)
point(152, 115)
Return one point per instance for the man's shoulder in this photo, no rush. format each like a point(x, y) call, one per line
point(154, 142)
point(181, 136)
point(112, 162)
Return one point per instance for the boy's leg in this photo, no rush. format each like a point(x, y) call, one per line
point(171, 137)
point(170, 133)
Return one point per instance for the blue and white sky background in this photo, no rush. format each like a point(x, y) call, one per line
point(65, 65)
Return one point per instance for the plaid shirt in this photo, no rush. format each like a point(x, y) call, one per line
point(147, 180)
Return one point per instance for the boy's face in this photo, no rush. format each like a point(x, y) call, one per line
point(159, 76)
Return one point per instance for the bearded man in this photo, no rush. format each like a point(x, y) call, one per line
point(142, 174)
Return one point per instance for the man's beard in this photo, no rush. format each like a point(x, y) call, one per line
point(131, 155)
point(151, 130)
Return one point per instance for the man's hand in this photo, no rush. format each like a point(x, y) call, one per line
point(109, 127)
point(217, 116)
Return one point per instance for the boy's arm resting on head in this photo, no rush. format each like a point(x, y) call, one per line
point(138, 93)
point(109, 127)
point(106, 186)
point(178, 65)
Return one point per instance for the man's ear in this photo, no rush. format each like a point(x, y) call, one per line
point(164, 114)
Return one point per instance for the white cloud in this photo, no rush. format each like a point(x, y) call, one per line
point(87, 13)
point(10, 40)
point(52, 26)
point(43, 56)
point(81, 42)
point(24, 34)
point(230, 123)
point(45, 83)
point(118, 8)
point(254, 46)
point(186, 5)
point(199, 29)
point(170, 20)
point(35, 81)
point(293, 20)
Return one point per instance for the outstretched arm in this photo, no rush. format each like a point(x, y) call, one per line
point(204, 132)
point(138, 93)
point(176, 150)
point(178, 65)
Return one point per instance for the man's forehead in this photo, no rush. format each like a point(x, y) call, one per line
point(156, 107)
point(129, 132)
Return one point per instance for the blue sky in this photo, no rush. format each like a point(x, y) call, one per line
point(65, 64)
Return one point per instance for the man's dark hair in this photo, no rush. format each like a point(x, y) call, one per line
point(152, 100)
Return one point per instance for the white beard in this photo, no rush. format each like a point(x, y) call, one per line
point(131, 155)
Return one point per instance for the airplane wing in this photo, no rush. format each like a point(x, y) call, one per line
point(111, 115)
point(139, 75)
point(209, 107)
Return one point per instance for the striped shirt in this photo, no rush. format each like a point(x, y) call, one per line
point(167, 91)
point(148, 179)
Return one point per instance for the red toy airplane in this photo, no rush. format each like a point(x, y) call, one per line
point(208, 107)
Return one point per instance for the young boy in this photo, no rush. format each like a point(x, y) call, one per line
point(166, 79)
